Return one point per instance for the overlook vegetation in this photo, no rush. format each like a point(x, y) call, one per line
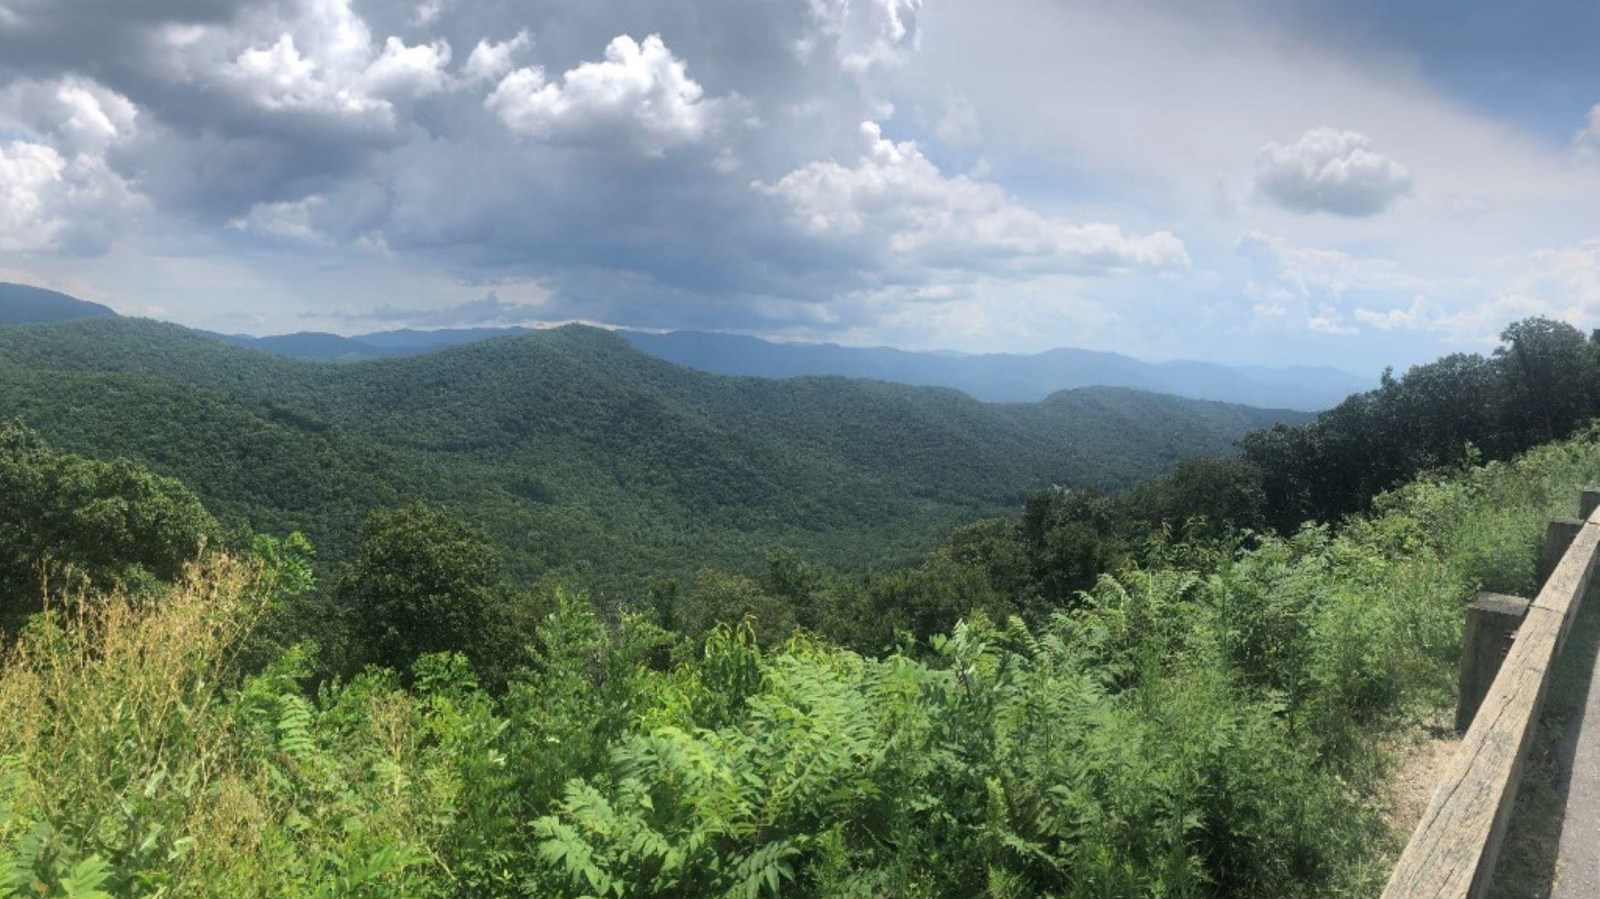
point(1199, 723)
point(1178, 688)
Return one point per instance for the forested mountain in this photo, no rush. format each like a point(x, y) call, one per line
point(20, 303)
point(574, 449)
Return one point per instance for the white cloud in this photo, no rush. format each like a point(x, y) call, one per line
point(75, 113)
point(428, 12)
point(1567, 280)
point(1304, 272)
point(407, 71)
point(641, 94)
point(54, 203)
point(1560, 283)
point(1321, 282)
point(281, 78)
point(29, 173)
point(899, 201)
point(490, 61)
point(1326, 321)
point(57, 192)
point(1330, 171)
point(865, 34)
point(314, 57)
point(1420, 314)
point(290, 220)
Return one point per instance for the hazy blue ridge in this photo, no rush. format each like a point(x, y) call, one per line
point(22, 304)
point(1004, 377)
point(993, 377)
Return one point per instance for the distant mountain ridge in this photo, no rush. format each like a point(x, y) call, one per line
point(1005, 377)
point(994, 377)
point(24, 304)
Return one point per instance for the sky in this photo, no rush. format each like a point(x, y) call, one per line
point(1353, 183)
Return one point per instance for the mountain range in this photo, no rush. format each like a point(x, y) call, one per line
point(576, 450)
point(993, 377)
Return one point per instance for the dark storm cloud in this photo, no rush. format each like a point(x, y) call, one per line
point(656, 162)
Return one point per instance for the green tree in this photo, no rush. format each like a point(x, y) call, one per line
point(1072, 537)
point(87, 524)
point(1222, 493)
point(1549, 374)
point(721, 598)
point(419, 581)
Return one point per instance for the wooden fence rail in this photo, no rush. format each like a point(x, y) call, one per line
point(1452, 853)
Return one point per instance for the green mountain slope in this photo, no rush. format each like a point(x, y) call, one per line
point(575, 449)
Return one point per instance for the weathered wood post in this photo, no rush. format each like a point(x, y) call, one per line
point(1452, 854)
point(1558, 535)
point(1588, 501)
point(1492, 622)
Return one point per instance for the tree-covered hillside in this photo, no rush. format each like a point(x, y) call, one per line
point(1208, 721)
point(576, 451)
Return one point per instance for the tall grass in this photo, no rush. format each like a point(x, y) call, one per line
point(1207, 725)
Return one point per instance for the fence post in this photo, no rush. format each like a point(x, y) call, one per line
point(1558, 535)
point(1588, 501)
point(1492, 622)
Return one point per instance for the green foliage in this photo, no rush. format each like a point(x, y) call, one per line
point(85, 524)
point(1203, 724)
point(419, 582)
point(1541, 384)
point(1103, 696)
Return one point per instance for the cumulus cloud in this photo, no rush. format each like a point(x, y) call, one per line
point(864, 34)
point(77, 114)
point(407, 71)
point(53, 203)
point(325, 62)
point(57, 191)
point(491, 60)
point(1326, 321)
point(1330, 171)
point(1568, 279)
point(640, 94)
point(898, 201)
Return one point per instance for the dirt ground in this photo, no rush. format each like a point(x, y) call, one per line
point(1421, 755)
